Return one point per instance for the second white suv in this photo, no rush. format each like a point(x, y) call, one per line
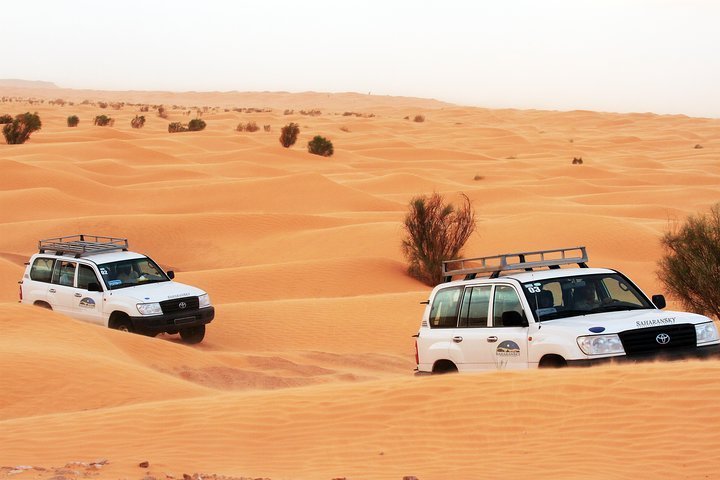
point(96, 279)
point(527, 312)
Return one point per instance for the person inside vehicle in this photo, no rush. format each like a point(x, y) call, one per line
point(585, 298)
point(126, 274)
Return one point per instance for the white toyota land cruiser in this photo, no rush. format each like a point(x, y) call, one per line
point(96, 279)
point(527, 312)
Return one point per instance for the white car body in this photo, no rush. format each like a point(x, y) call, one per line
point(149, 302)
point(629, 327)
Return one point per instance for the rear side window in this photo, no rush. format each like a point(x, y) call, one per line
point(475, 305)
point(41, 270)
point(64, 273)
point(444, 310)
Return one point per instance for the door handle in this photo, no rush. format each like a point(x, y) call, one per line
point(52, 290)
point(492, 339)
point(78, 295)
point(457, 339)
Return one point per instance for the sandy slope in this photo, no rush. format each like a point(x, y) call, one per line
point(306, 371)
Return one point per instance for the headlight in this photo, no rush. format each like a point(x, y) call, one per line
point(149, 308)
point(706, 332)
point(600, 344)
point(204, 300)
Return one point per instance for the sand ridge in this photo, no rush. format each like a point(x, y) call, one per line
point(306, 372)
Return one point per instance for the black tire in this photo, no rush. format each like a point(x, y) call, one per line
point(552, 361)
point(444, 366)
point(124, 326)
point(192, 335)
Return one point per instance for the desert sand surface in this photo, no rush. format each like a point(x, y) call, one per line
point(307, 370)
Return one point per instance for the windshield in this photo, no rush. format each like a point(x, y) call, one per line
point(583, 295)
point(127, 273)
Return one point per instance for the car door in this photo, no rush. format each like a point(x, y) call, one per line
point(434, 342)
point(508, 330)
point(89, 302)
point(61, 294)
point(473, 348)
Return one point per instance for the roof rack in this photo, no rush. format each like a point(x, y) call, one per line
point(82, 245)
point(471, 267)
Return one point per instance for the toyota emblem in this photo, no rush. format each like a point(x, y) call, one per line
point(182, 306)
point(663, 339)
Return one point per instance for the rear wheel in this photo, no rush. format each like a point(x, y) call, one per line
point(444, 366)
point(193, 334)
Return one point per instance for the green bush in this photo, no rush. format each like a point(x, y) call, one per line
point(104, 121)
point(690, 268)
point(320, 146)
point(289, 134)
point(73, 121)
point(5, 119)
point(18, 130)
point(138, 121)
point(196, 124)
point(435, 231)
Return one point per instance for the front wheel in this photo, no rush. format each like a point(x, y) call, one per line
point(193, 334)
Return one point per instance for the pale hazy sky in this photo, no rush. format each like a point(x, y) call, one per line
point(660, 56)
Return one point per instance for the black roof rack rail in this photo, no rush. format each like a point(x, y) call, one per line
point(494, 265)
point(82, 245)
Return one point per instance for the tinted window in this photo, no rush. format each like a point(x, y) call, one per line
point(474, 311)
point(444, 310)
point(506, 300)
point(86, 275)
point(42, 268)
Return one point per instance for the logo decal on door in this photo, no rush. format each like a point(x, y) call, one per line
point(508, 348)
point(87, 302)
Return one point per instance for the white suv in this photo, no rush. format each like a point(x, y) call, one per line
point(527, 312)
point(96, 279)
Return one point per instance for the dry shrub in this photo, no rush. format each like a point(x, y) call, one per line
point(176, 127)
point(73, 121)
point(104, 121)
point(196, 124)
point(267, 128)
point(19, 129)
point(289, 134)
point(435, 231)
point(419, 118)
point(162, 112)
point(5, 119)
point(138, 121)
point(690, 267)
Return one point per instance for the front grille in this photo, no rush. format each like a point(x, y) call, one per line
point(645, 340)
point(174, 305)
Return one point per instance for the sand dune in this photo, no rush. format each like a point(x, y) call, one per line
point(306, 372)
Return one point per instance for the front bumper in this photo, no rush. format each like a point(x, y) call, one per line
point(704, 352)
point(173, 322)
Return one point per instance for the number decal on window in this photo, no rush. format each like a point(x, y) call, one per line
point(532, 289)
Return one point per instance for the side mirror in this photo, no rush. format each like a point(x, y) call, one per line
point(512, 318)
point(94, 287)
point(659, 301)
point(171, 274)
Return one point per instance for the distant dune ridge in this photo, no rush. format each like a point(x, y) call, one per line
point(306, 372)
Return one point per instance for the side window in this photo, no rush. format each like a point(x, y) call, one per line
point(41, 270)
point(64, 273)
point(86, 275)
point(506, 301)
point(444, 311)
point(474, 311)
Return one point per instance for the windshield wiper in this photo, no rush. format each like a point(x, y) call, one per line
point(615, 308)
